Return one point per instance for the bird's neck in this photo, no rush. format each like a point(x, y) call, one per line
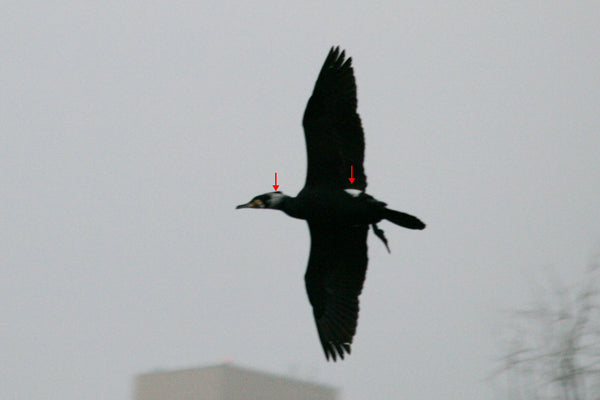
point(290, 206)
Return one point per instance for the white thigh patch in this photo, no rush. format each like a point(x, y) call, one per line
point(353, 192)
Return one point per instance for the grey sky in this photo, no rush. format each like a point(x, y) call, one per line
point(129, 131)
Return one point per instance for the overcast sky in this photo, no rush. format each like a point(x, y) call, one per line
point(130, 130)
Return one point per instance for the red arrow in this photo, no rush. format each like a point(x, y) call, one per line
point(351, 179)
point(275, 186)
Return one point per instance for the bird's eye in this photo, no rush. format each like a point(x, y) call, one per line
point(258, 203)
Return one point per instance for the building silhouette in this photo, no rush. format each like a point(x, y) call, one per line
point(226, 382)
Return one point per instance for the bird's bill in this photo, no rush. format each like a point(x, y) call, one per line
point(252, 204)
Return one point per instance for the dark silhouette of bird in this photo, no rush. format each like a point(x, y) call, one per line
point(338, 212)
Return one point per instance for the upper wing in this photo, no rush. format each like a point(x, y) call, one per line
point(334, 279)
point(334, 136)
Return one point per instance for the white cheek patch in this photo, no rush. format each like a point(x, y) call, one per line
point(275, 198)
point(353, 192)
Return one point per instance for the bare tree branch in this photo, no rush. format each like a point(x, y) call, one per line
point(553, 351)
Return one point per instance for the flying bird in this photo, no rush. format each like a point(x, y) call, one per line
point(336, 208)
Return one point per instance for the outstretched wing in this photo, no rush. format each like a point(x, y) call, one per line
point(334, 136)
point(334, 279)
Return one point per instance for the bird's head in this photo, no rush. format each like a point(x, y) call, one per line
point(267, 200)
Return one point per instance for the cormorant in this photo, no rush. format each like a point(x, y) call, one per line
point(338, 212)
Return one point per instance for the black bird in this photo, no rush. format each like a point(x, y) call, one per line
point(338, 212)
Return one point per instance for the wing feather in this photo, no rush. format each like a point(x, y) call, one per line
point(334, 279)
point(332, 127)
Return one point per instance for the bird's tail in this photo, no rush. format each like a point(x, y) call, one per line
point(402, 219)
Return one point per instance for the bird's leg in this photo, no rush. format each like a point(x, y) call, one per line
point(379, 233)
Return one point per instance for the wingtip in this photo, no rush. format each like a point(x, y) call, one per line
point(329, 353)
point(333, 351)
point(338, 54)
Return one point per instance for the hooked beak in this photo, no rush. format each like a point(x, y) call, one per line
point(254, 203)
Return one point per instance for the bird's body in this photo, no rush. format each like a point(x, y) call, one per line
point(337, 210)
point(327, 206)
